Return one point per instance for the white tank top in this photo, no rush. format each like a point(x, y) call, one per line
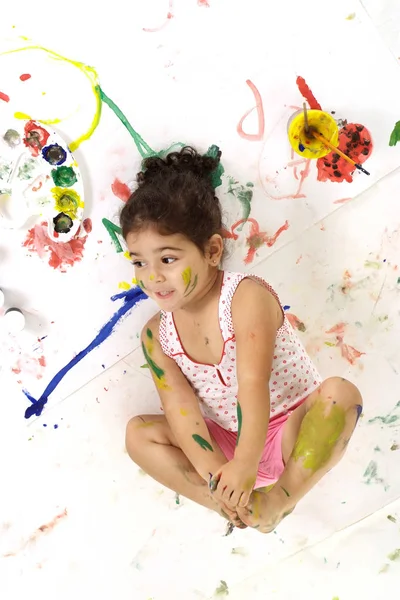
point(293, 375)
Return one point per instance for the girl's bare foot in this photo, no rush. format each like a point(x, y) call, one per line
point(264, 512)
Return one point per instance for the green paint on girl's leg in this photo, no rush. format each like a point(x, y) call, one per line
point(158, 372)
point(318, 436)
point(286, 492)
point(202, 442)
point(239, 418)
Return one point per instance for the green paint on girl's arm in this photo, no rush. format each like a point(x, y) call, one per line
point(113, 230)
point(395, 135)
point(158, 372)
point(286, 492)
point(239, 418)
point(318, 436)
point(202, 442)
point(149, 333)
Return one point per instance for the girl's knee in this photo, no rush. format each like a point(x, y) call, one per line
point(342, 391)
point(134, 433)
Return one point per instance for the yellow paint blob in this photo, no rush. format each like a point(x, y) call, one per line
point(127, 255)
point(124, 285)
point(151, 277)
point(183, 412)
point(21, 115)
point(89, 72)
point(67, 201)
point(318, 436)
point(135, 281)
point(187, 276)
point(322, 122)
point(266, 488)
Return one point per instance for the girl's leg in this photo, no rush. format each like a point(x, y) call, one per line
point(152, 445)
point(314, 440)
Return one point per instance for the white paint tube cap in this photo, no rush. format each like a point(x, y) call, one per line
point(1, 298)
point(14, 320)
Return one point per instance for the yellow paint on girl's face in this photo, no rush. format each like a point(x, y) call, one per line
point(319, 433)
point(135, 281)
point(151, 277)
point(124, 285)
point(127, 255)
point(187, 276)
point(89, 72)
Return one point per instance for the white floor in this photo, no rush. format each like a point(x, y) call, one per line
point(78, 518)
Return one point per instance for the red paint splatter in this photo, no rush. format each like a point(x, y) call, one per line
point(25, 77)
point(4, 97)
point(307, 93)
point(62, 254)
point(42, 361)
point(17, 369)
point(260, 114)
point(355, 141)
point(295, 322)
point(121, 190)
point(349, 352)
point(342, 200)
point(49, 526)
point(338, 328)
point(203, 3)
point(256, 238)
point(87, 225)
point(35, 137)
point(168, 18)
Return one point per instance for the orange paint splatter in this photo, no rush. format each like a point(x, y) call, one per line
point(295, 322)
point(256, 238)
point(254, 137)
point(354, 140)
point(350, 353)
point(339, 328)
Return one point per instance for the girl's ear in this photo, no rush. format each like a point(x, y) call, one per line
point(214, 250)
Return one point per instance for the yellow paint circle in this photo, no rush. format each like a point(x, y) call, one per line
point(322, 122)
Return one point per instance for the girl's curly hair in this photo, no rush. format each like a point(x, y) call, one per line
point(175, 194)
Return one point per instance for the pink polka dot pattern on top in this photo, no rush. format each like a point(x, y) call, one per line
point(293, 374)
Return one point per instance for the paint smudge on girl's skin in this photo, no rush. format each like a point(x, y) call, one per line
point(202, 442)
point(62, 254)
point(307, 93)
point(256, 238)
point(355, 141)
point(4, 97)
point(35, 137)
point(183, 412)
point(395, 135)
point(158, 373)
point(64, 177)
point(319, 433)
point(260, 115)
point(295, 322)
point(187, 280)
point(239, 419)
point(121, 190)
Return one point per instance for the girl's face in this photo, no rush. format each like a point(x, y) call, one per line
point(170, 268)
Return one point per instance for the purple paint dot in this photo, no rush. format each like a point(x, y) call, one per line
point(286, 307)
point(44, 424)
point(55, 426)
point(103, 366)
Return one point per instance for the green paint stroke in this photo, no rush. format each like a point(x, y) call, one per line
point(395, 555)
point(395, 135)
point(286, 492)
point(149, 334)
point(216, 175)
point(143, 148)
point(372, 264)
point(113, 231)
point(158, 372)
point(202, 442)
point(187, 280)
point(25, 172)
point(244, 194)
point(319, 434)
point(392, 519)
point(239, 418)
point(389, 419)
point(222, 589)
point(64, 176)
point(371, 474)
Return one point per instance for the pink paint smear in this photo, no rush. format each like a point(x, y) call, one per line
point(348, 352)
point(61, 254)
point(46, 528)
point(254, 137)
point(168, 18)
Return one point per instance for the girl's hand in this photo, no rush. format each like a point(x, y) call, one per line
point(234, 482)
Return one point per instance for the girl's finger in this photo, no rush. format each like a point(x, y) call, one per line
point(244, 499)
point(235, 497)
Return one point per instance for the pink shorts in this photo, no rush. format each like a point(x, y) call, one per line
point(271, 464)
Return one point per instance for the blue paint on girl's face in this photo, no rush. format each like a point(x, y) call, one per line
point(131, 298)
point(286, 307)
point(301, 147)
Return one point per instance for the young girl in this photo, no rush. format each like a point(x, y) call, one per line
point(249, 427)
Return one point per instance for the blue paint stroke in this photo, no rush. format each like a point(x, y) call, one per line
point(286, 307)
point(359, 409)
point(131, 298)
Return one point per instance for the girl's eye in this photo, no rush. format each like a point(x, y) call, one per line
point(137, 263)
point(168, 260)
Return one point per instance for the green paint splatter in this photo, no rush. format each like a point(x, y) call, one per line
point(113, 231)
point(389, 419)
point(158, 372)
point(371, 474)
point(5, 169)
point(392, 519)
point(394, 447)
point(398, 280)
point(395, 135)
point(202, 442)
point(286, 492)
point(243, 195)
point(145, 366)
point(64, 176)
point(370, 264)
point(177, 499)
point(330, 344)
point(222, 589)
point(377, 449)
point(142, 147)
point(395, 555)
point(318, 436)
point(25, 172)
point(216, 180)
point(239, 418)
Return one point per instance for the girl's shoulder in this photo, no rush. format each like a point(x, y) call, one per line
point(152, 327)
